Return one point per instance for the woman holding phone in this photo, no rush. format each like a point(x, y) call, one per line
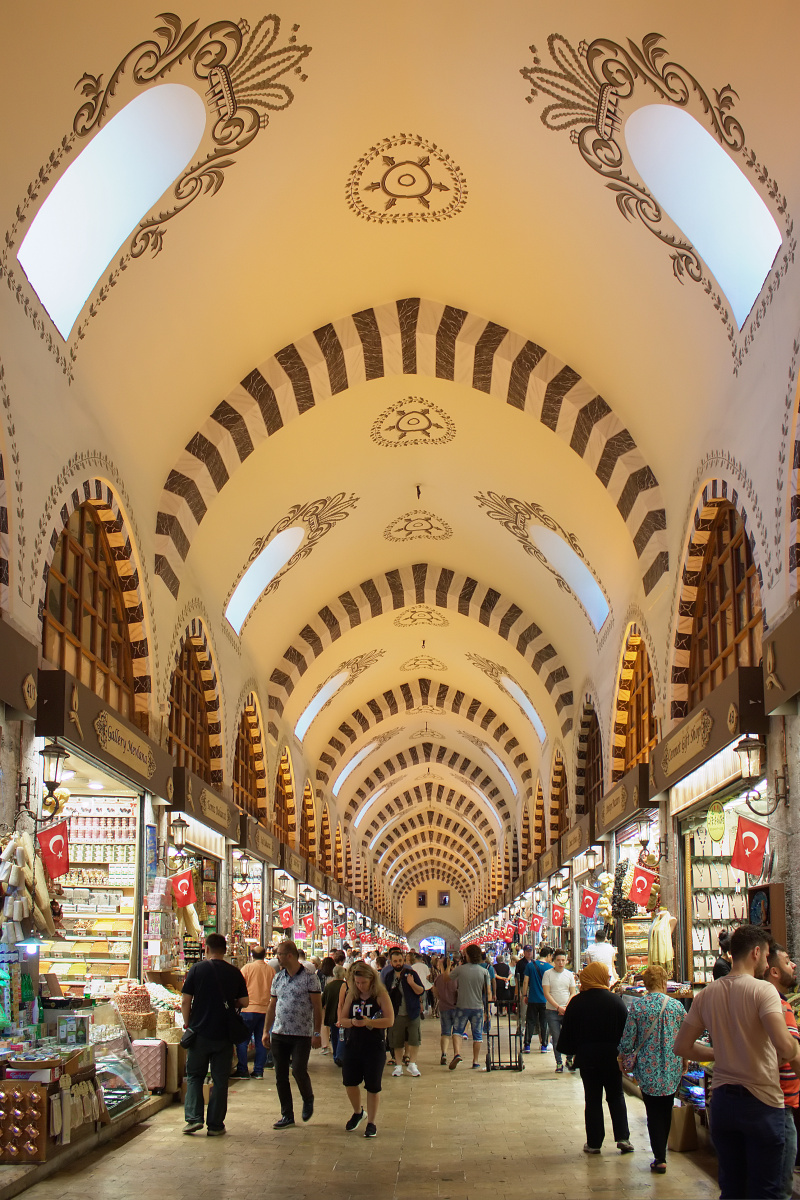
point(365, 1011)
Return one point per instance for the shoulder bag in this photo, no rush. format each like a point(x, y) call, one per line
point(237, 1030)
point(629, 1060)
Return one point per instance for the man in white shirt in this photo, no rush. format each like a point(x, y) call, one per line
point(602, 951)
point(558, 986)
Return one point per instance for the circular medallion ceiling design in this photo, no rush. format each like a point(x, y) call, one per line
point(420, 614)
point(412, 422)
point(418, 524)
point(406, 178)
point(423, 662)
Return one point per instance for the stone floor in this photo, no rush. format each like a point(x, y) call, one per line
point(463, 1134)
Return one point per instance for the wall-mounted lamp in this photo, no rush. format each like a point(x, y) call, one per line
point(53, 758)
point(178, 827)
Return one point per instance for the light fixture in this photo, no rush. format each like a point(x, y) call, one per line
point(53, 758)
point(749, 750)
point(178, 827)
point(95, 785)
point(593, 853)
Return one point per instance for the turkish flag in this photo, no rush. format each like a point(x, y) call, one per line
point(522, 925)
point(641, 885)
point(246, 907)
point(748, 853)
point(536, 923)
point(309, 924)
point(589, 902)
point(352, 932)
point(558, 915)
point(54, 845)
point(508, 933)
point(341, 930)
point(327, 928)
point(183, 889)
point(286, 917)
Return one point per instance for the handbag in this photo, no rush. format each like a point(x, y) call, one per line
point(629, 1060)
point(189, 1038)
point(237, 1030)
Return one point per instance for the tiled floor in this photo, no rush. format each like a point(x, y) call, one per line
point(461, 1134)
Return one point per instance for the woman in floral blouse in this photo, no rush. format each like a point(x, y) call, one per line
point(653, 1021)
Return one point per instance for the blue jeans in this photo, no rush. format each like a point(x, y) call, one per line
point(789, 1153)
point(749, 1138)
point(554, 1020)
point(337, 1043)
point(255, 1023)
point(203, 1056)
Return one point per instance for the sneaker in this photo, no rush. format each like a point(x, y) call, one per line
point(325, 1050)
point(413, 1069)
point(625, 1147)
point(526, 1049)
point(192, 1126)
point(544, 1049)
point(560, 1069)
point(397, 1072)
point(371, 1131)
point(587, 1149)
point(308, 1110)
point(455, 1061)
point(283, 1123)
point(476, 1066)
point(355, 1121)
point(443, 1061)
point(215, 1132)
point(257, 1075)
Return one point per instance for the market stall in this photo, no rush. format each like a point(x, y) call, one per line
point(251, 907)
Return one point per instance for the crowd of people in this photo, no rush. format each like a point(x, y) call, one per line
point(367, 1010)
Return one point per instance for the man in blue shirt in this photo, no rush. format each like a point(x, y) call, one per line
point(533, 999)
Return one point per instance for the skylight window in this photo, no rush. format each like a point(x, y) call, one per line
point(574, 570)
point(260, 573)
point(351, 766)
point(105, 192)
point(318, 703)
point(501, 767)
point(708, 197)
point(516, 693)
point(368, 806)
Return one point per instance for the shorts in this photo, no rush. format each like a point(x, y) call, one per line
point(447, 1021)
point(475, 1018)
point(363, 1066)
point(405, 1029)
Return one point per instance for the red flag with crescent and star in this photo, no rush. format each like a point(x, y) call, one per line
point(558, 915)
point(286, 917)
point(341, 931)
point(327, 928)
point(309, 924)
point(642, 885)
point(536, 923)
point(183, 889)
point(522, 925)
point(589, 902)
point(54, 845)
point(508, 936)
point(748, 852)
point(246, 906)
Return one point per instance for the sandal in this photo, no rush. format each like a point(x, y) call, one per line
point(406, 1060)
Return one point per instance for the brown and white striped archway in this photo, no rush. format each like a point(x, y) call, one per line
point(410, 337)
point(588, 712)
point(450, 800)
point(197, 634)
point(539, 841)
point(251, 717)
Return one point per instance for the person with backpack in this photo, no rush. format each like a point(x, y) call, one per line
point(405, 989)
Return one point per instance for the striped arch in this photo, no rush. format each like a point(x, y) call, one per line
point(5, 544)
point(539, 840)
point(584, 725)
point(410, 337)
point(425, 853)
point(422, 694)
point(196, 633)
point(422, 874)
point(348, 865)
point(463, 807)
point(559, 798)
point(338, 856)
point(526, 840)
point(325, 856)
point(515, 866)
point(250, 709)
point(308, 824)
point(506, 865)
point(441, 588)
point(714, 494)
point(420, 834)
point(284, 811)
point(105, 503)
point(633, 640)
point(406, 826)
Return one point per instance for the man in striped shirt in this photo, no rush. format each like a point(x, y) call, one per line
point(782, 974)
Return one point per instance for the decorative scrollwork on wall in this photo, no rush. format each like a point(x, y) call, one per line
point(418, 524)
point(588, 86)
point(420, 614)
point(423, 662)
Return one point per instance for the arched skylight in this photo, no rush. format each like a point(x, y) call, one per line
point(318, 703)
point(105, 192)
point(572, 568)
point(351, 766)
point(516, 692)
point(708, 197)
point(260, 574)
point(368, 806)
point(501, 767)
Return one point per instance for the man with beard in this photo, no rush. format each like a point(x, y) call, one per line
point(742, 1013)
point(781, 973)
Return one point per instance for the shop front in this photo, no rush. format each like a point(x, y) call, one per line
point(711, 771)
point(111, 786)
point(260, 851)
point(587, 862)
point(287, 880)
point(553, 901)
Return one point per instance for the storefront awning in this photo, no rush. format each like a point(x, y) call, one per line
point(193, 796)
point(258, 842)
point(578, 839)
point(78, 717)
point(18, 673)
point(623, 803)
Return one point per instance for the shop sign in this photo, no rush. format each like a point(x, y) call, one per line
point(715, 821)
point(548, 862)
point(316, 878)
point(131, 749)
point(294, 864)
point(629, 796)
point(18, 671)
point(577, 839)
point(687, 743)
point(193, 796)
point(264, 843)
point(781, 665)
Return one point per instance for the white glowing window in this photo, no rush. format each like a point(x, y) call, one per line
point(572, 568)
point(105, 192)
point(368, 806)
point(351, 766)
point(708, 197)
point(318, 703)
point(502, 768)
point(260, 573)
point(516, 692)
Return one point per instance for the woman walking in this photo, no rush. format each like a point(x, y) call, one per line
point(330, 1010)
point(591, 1029)
point(325, 975)
point(365, 1011)
point(446, 992)
point(645, 1052)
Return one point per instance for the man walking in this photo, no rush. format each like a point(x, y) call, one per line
point(742, 1013)
point(558, 985)
point(519, 977)
point(292, 1027)
point(405, 989)
point(782, 974)
point(258, 975)
point(534, 1004)
point(604, 952)
point(210, 986)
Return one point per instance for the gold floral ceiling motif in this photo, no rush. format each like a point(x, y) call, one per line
point(421, 614)
point(418, 524)
point(404, 179)
point(423, 662)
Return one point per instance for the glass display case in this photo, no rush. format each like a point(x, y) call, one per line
point(118, 1072)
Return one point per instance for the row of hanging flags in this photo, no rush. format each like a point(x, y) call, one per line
point(748, 856)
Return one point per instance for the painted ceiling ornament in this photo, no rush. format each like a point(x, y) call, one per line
point(412, 422)
point(241, 68)
point(319, 517)
point(403, 179)
point(416, 525)
point(423, 662)
point(354, 666)
point(588, 86)
point(421, 614)
point(427, 735)
point(491, 669)
point(436, 710)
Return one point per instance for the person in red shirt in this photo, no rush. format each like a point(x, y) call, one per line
point(781, 972)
